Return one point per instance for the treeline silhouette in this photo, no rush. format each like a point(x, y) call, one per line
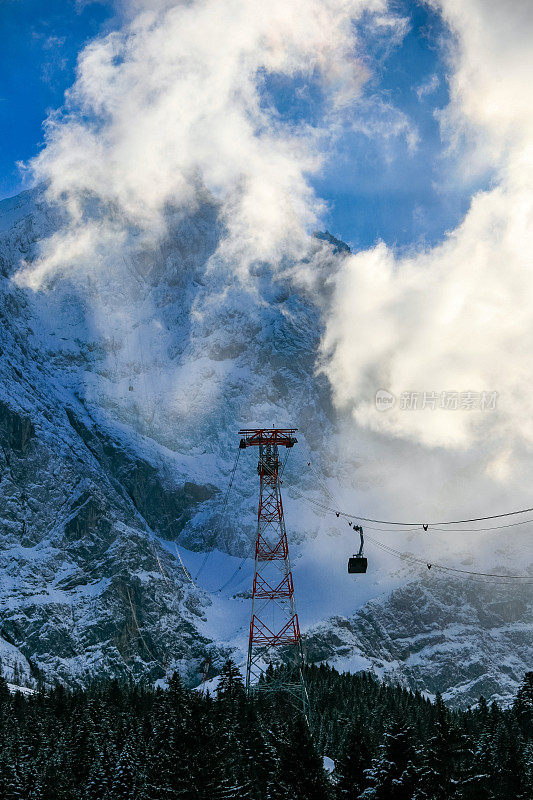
point(113, 741)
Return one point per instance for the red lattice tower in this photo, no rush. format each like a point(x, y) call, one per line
point(274, 621)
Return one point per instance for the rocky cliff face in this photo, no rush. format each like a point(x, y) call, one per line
point(464, 639)
point(120, 399)
point(79, 560)
point(114, 443)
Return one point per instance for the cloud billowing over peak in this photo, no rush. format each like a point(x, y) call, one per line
point(174, 110)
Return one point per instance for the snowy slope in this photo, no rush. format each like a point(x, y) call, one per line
point(120, 400)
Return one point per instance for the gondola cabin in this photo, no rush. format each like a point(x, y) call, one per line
point(357, 564)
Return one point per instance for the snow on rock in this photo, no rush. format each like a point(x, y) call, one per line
point(461, 637)
point(329, 764)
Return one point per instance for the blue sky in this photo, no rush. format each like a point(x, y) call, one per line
point(376, 188)
point(39, 43)
point(385, 189)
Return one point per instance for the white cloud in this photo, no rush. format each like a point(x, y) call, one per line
point(169, 116)
point(381, 120)
point(456, 317)
point(428, 86)
point(172, 103)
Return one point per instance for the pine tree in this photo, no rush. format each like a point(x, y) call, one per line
point(351, 766)
point(10, 784)
point(5, 694)
point(478, 777)
point(177, 694)
point(114, 741)
point(510, 773)
point(301, 772)
point(444, 756)
point(127, 781)
point(523, 706)
point(393, 775)
point(170, 752)
point(482, 710)
point(259, 761)
point(230, 685)
point(98, 784)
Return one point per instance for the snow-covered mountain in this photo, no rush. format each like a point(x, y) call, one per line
point(121, 396)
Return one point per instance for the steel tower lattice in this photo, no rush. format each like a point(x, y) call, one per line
point(274, 620)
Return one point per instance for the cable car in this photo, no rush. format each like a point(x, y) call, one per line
point(358, 563)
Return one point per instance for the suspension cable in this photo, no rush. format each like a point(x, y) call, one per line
point(239, 568)
point(446, 522)
point(223, 511)
point(425, 525)
point(143, 640)
point(184, 568)
point(432, 564)
point(246, 557)
point(526, 579)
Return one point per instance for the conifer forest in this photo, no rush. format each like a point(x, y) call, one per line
point(114, 741)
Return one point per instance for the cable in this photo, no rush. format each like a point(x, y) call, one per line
point(325, 488)
point(202, 565)
point(246, 557)
point(224, 585)
point(480, 530)
point(416, 525)
point(444, 567)
point(432, 524)
point(224, 508)
point(185, 570)
point(505, 578)
point(332, 497)
point(413, 525)
point(139, 630)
